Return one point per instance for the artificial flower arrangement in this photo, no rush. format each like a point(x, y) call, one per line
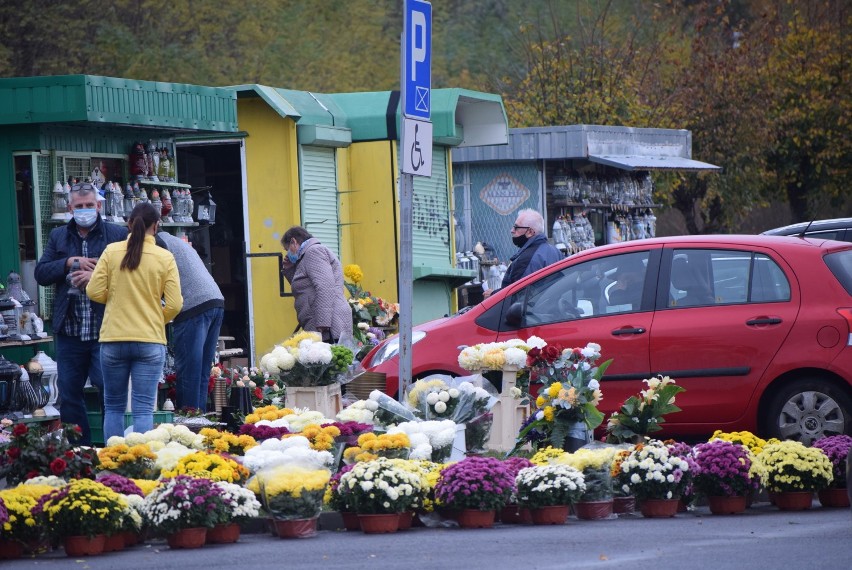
point(227, 442)
point(722, 469)
point(430, 440)
point(509, 355)
point(433, 398)
point(570, 392)
point(549, 485)
point(209, 465)
point(84, 508)
point(367, 308)
point(386, 410)
point(293, 450)
point(747, 439)
point(137, 461)
point(34, 451)
point(380, 487)
point(595, 466)
point(304, 360)
point(836, 448)
point(290, 492)
point(652, 472)
point(356, 412)
point(184, 502)
point(265, 389)
point(790, 466)
point(480, 483)
point(641, 415)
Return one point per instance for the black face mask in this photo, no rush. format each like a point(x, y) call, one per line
point(520, 240)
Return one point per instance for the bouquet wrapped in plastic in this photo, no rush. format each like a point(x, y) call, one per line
point(386, 410)
point(291, 491)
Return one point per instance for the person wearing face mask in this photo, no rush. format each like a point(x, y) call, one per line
point(316, 278)
point(70, 256)
point(534, 250)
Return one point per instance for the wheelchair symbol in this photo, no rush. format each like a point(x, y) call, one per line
point(416, 163)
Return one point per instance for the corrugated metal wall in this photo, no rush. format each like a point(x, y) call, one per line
point(320, 207)
point(431, 213)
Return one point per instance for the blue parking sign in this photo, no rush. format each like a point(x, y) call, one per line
point(418, 59)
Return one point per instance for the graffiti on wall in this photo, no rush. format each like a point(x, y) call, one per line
point(430, 216)
point(504, 193)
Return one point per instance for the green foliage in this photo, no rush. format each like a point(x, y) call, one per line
point(643, 414)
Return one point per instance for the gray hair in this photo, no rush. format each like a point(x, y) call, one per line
point(83, 188)
point(532, 219)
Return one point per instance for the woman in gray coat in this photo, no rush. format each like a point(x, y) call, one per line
point(316, 278)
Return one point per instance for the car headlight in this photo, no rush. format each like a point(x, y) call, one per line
point(391, 348)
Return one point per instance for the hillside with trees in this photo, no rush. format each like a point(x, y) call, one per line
point(764, 85)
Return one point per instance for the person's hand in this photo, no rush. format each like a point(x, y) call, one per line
point(80, 279)
point(286, 263)
point(486, 293)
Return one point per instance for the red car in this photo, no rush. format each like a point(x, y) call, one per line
point(758, 329)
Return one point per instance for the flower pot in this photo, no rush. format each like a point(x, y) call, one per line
point(794, 500)
point(474, 518)
point(556, 514)
point(593, 510)
point(350, 520)
point(623, 505)
point(223, 534)
point(515, 514)
point(296, 528)
point(722, 505)
point(833, 497)
point(131, 538)
point(188, 538)
point(405, 520)
point(379, 524)
point(76, 546)
point(10, 549)
point(658, 508)
point(114, 542)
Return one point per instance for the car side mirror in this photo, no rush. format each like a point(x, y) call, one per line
point(515, 315)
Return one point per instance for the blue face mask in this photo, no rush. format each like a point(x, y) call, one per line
point(85, 217)
point(293, 257)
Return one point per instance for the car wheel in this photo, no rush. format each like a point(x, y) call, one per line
point(807, 410)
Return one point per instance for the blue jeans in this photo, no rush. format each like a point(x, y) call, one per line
point(119, 360)
point(195, 342)
point(77, 360)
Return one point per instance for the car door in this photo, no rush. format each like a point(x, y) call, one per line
point(722, 316)
point(607, 300)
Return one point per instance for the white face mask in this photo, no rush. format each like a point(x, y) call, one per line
point(85, 217)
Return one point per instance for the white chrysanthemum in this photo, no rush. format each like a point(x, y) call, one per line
point(440, 407)
point(515, 357)
point(353, 414)
point(269, 363)
point(432, 398)
point(536, 342)
point(168, 457)
point(453, 392)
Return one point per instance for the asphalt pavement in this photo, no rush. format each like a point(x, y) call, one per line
point(763, 537)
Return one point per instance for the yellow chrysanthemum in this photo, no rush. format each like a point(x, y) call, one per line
point(353, 273)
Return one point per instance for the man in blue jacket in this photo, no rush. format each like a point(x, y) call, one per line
point(76, 320)
point(535, 252)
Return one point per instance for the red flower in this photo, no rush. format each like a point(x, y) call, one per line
point(50, 450)
point(57, 466)
point(20, 429)
point(270, 382)
point(69, 454)
point(78, 429)
point(258, 393)
point(32, 474)
point(13, 452)
point(550, 353)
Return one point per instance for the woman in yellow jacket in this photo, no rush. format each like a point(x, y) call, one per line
point(131, 278)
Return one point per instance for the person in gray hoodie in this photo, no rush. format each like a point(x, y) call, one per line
point(195, 331)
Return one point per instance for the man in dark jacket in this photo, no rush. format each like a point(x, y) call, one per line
point(76, 320)
point(535, 252)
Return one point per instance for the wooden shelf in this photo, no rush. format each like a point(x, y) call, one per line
point(14, 343)
point(147, 182)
